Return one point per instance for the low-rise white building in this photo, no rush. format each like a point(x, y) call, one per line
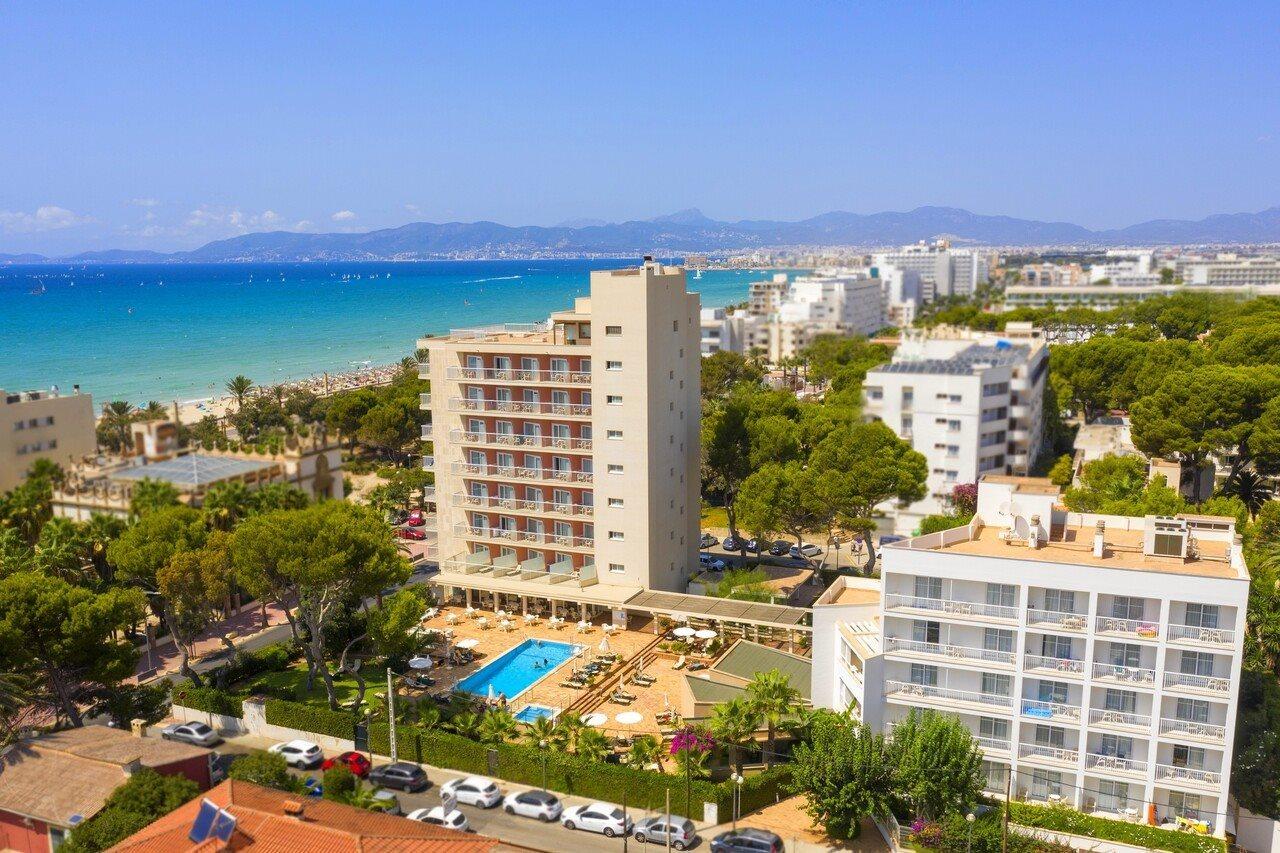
point(943, 271)
point(1096, 659)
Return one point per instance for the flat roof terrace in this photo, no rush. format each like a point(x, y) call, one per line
point(193, 471)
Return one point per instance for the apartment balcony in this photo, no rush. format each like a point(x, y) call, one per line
point(427, 431)
point(512, 472)
point(424, 370)
point(1020, 410)
point(997, 747)
point(424, 400)
point(1168, 774)
point(1040, 710)
point(1133, 629)
point(504, 375)
point(960, 609)
point(521, 407)
point(428, 463)
point(1042, 664)
point(507, 439)
point(1058, 620)
point(1053, 755)
point(945, 697)
point(1126, 676)
point(1124, 720)
point(429, 494)
point(525, 507)
point(1194, 635)
point(1110, 764)
point(523, 537)
point(1200, 684)
point(1208, 732)
point(946, 652)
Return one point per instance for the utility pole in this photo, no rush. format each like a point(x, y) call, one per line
point(1004, 814)
point(626, 835)
point(668, 832)
point(391, 714)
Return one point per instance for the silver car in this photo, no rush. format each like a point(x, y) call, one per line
point(193, 733)
point(656, 829)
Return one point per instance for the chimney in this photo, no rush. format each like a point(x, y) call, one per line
point(1033, 538)
point(1099, 539)
point(294, 808)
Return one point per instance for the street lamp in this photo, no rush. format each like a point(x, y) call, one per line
point(542, 745)
point(737, 796)
point(970, 818)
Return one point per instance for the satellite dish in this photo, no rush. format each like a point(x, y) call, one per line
point(1008, 508)
point(1021, 527)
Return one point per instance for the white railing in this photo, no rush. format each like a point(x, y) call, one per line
point(519, 374)
point(929, 691)
point(511, 439)
point(429, 494)
point(1119, 718)
point(1057, 618)
point(946, 605)
point(428, 462)
point(424, 400)
point(1063, 665)
point(1169, 726)
point(515, 505)
point(424, 370)
point(496, 329)
point(988, 744)
point(499, 533)
point(1212, 683)
point(1170, 773)
point(426, 431)
point(945, 650)
point(1053, 753)
point(1132, 627)
point(1112, 762)
point(518, 473)
point(1127, 674)
point(1213, 636)
point(1040, 710)
point(522, 407)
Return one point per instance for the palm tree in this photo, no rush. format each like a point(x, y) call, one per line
point(466, 724)
point(226, 503)
point(47, 470)
point(63, 550)
point(239, 388)
point(645, 750)
point(498, 726)
point(116, 417)
point(427, 716)
point(735, 723)
point(570, 724)
point(100, 531)
point(154, 411)
point(592, 745)
point(542, 730)
point(1249, 488)
point(773, 697)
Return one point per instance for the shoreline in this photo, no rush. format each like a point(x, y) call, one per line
point(321, 384)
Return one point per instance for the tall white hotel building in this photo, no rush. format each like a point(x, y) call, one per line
point(1096, 658)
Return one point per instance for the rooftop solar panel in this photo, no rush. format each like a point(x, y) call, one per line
point(203, 824)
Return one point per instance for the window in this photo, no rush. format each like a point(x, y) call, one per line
point(559, 366)
point(613, 399)
point(616, 503)
point(613, 365)
point(1126, 654)
point(616, 568)
point(613, 434)
point(1185, 805)
point(1127, 607)
point(1002, 594)
point(993, 439)
point(1054, 736)
point(1053, 646)
point(614, 469)
point(1196, 663)
point(1188, 756)
point(998, 414)
point(996, 684)
point(1052, 691)
point(1116, 745)
point(1045, 783)
point(1112, 796)
point(675, 325)
point(994, 388)
point(616, 536)
point(874, 392)
point(926, 632)
point(1202, 615)
point(928, 587)
point(1124, 701)
point(993, 727)
point(997, 640)
point(908, 421)
point(1192, 710)
point(1060, 600)
point(613, 330)
point(923, 673)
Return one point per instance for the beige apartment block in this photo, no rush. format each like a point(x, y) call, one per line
point(43, 425)
point(566, 452)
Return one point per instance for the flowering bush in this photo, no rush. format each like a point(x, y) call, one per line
point(926, 833)
point(691, 740)
point(964, 499)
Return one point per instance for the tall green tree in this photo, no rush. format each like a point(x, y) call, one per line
point(845, 772)
point(239, 388)
point(773, 697)
point(937, 763)
point(724, 370)
point(734, 724)
point(149, 495)
point(227, 502)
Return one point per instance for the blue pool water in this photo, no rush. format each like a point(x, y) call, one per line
point(512, 672)
point(529, 713)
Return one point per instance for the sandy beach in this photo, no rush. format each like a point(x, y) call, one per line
point(191, 411)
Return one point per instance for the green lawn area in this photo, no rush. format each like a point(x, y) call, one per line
point(295, 679)
point(714, 516)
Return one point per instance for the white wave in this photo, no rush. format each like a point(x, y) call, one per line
point(495, 278)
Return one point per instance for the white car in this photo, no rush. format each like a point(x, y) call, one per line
point(436, 817)
point(473, 791)
point(299, 753)
point(805, 550)
point(542, 805)
point(194, 733)
point(709, 562)
point(598, 817)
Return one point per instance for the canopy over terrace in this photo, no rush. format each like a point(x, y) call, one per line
point(748, 619)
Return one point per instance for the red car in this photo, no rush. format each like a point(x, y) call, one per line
point(409, 533)
point(356, 763)
point(416, 519)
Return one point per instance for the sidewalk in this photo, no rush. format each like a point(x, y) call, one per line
point(164, 658)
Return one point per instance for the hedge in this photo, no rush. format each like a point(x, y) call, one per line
point(1140, 835)
point(208, 699)
point(311, 718)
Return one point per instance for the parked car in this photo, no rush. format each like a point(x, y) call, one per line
point(356, 762)
point(753, 545)
point(889, 540)
point(410, 533)
point(656, 829)
point(299, 753)
point(542, 805)
point(709, 562)
point(194, 733)
point(598, 817)
point(747, 840)
point(437, 817)
point(474, 791)
point(386, 802)
point(416, 518)
point(807, 550)
point(708, 541)
point(399, 516)
point(731, 543)
point(402, 776)
point(780, 548)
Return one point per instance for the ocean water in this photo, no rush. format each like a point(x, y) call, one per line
point(179, 332)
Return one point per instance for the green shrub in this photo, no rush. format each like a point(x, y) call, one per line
point(1069, 820)
point(276, 657)
point(208, 699)
point(311, 718)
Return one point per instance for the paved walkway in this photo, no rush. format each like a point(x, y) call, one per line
point(164, 657)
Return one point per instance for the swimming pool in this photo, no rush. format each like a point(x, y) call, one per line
point(516, 669)
point(529, 713)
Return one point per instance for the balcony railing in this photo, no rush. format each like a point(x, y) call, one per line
point(537, 538)
point(510, 374)
point(517, 473)
point(1066, 666)
point(946, 605)
point(990, 744)
point(1040, 710)
point(424, 370)
point(929, 691)
point(429, 463)
point(1188, 728)
point(516, 505)
point(1170, 773)
point(1140, 628)
point(1210, 683)
point(424, 400)
point(945, 650)
point(1058, 619)
point(1135, 675)
point(509, 439)
point(1052, 753)
point(1119, 718)
point(520, 407)
point(1114, 763)
point(429, 494)
point(427, 431)
point(1194, 633)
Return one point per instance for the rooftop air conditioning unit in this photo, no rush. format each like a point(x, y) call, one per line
point(1165, 537)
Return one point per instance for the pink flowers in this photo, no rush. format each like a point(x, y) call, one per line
point(691, 740)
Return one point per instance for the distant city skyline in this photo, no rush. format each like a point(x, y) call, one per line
point(165, 128)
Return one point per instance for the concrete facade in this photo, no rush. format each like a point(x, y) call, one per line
point(43, 425)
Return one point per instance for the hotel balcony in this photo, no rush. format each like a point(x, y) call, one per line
point(1040, 710)
point(959, 609)
point(1188, 729)
point(507, 439)
point(1126, 676)
point(1114, 764)
point(428, 463)
point(946, 652)
point(1057, 619)
point(524, 537)
point(945, 697)
point(1120, 720)
point(1041, 664)
point(539, 377)
point(429, 494)
point(427, 430)
point(1196, 636)
point(527, 507)
point(424, 400)
point(521, 407)
point(995, 747)
point(1052, 755)
point(1168, 774)
point(1133, 629)
point(424, 369)
point(1198, 684)
point(512, 472)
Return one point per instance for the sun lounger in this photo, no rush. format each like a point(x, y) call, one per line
point(620, 700)
point(679, 663)
point(694, 667)
point(573, 685)
point(631, 697)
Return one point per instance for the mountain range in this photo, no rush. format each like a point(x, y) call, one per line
point(690, 231)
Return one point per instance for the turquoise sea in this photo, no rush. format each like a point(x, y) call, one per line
point(180, 331)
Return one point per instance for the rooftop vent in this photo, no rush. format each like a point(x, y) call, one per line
point(1165, 537)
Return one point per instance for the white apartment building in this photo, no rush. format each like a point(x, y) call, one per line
point(1054, 275)
point(1096, 659)
point(566, 453)
point(970, 402)
point(1103, 297)
point(903, 294)
point(943, 271)
point(1230, 270)
point(43, 425)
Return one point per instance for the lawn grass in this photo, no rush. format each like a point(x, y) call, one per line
point(295, 679)
point(714, 516)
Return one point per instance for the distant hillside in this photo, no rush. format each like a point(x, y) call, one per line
point(691, 231)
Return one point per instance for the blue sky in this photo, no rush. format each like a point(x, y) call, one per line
point(164, 125)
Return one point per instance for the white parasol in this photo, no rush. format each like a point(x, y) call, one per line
point(705, 634)
point(420, 663)
point(595, 720)
point(604, 645)
point(684, 633)
point(629, 718)
point(468, 643)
